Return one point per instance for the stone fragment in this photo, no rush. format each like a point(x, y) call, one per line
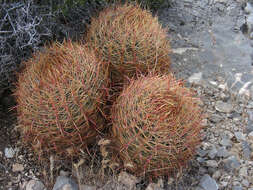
point(35, 185)
point(226, 142)
point(245, 183)
point(239, 136)
point(222, 152)
point(17, 167)
point(250, 136)
point(223, 86)
point(250, 105)
point(250, 114)
point(216, 174)
point(208, 183)
point(127, 180)
point(223, 107)
point(249, 127)
point(243, 172)
point(196, 78)
point(215, 118)
point(88, 187)
point(248, 9)
point(65, 183)
point(64, 173)
point(153, 186)
point(213, 152)
point(201, 152)
point(212, 163)
point(199, 188)
point(231, 163)
point(224, 183)
point(237, 187)
point(246, 150)
point(9, 152)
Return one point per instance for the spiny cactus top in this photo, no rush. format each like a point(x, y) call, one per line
point(131, 40)
point(156, 125)
point(60, 96)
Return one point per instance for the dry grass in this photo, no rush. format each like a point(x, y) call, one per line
point(156, 126)
point(60, 96)
point(131, 40)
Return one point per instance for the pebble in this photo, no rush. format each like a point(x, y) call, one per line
point(201, 152)
point(215, 118)
point(216, 174)
point(250, 114)
point(65, 183)
point(250, 105)
point(231, 163)
point(223, 107)
point(249, 127)
point(250, 135)
point(243, 172)
point(64, 173)
point(17, 167)
point(226, 142)
point(248, 9)
point(9, 152)
point(87, 187)
point(208, 183)
point(35, 185)
point(237, 187)
point(153, 186)
point(196, 78)
point(213, 152)
point(246, 150)
point(212, 163)
point(223, 86)
point(245, 183)
point(222, 152)
point(127, 179)
point(240, 136)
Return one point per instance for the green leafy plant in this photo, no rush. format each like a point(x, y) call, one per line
point(130, 40)
point(60, 96)
point(156, 124)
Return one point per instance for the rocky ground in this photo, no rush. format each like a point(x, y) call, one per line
point(211, 52)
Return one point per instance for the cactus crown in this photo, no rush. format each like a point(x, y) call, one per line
point(130, 39)
point(60, 95)
point(156, 125)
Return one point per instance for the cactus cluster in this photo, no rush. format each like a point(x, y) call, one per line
point(63, 96)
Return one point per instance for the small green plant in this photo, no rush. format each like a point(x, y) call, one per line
point(130, 40)
point(156, 124)
point(60, 96)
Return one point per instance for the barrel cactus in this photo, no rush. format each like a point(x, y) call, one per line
point(131, 40)
point(156, 124)
point(60, 97)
